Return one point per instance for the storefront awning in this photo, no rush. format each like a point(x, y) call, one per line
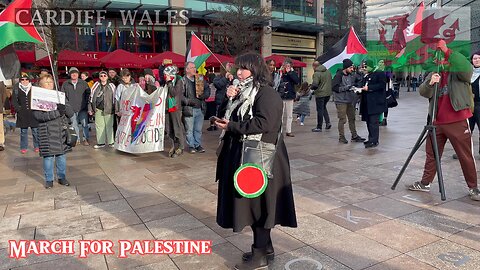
point(280, 58)
point(216, 59)
point(167, 58)
point(123, 59)
point(70, 59)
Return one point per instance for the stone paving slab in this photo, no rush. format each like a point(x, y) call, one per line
point(447, 255)
point(116, 196)
point(355, 251)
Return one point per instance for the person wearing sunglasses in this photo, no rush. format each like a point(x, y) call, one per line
point(21, 102)
point(102, 105)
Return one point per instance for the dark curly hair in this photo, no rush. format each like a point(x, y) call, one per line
point(255, 63)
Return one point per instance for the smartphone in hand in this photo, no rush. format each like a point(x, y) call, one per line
point(214, 119)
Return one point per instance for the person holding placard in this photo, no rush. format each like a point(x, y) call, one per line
point(52, 137)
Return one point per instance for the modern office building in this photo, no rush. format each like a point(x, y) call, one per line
point(475, 18)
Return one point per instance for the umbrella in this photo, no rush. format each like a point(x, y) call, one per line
point(280, 58)
point(123, 59)
point(212, 61)
point(167, 57)
point(70, 58)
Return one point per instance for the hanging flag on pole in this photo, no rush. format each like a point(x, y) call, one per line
point(198, 53)
point(349, 47)
point(11, 31)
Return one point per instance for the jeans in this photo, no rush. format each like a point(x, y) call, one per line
point(2, 135)
point(82, 117)
point(288, 111)
point(322, 112)
point(302, 118)
point(193, 127)
point(24, 138)
point(60, 164)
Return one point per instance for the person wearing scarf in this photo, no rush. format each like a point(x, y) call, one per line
point(454, 105)
point(475, 119)
point(373, 102)
point(255, 109)
point(21, 102)
point(102, 105)
point(475, 81)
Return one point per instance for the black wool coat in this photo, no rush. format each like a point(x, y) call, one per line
point(374, 101)
point(52, 132)
point(21, 104)
point(275, 205)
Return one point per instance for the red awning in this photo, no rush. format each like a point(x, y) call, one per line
point(280, 58)
point(169, 58)
point(123, 59)
point(213, 62)
point(26, 56)
point(71, 59)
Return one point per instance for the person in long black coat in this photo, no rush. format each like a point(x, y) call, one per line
point(373, 102)
point(21, 103)
point(52, 137)
point(276, 204)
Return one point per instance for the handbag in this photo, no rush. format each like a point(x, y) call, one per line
point(259, 153)
point(72, 137)
point(251, 178)
point(391, 100)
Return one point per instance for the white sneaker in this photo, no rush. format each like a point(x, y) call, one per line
point(302, 124)
point(98, 146)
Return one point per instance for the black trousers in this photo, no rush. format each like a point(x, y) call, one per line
point(373, 127)
point(322, 112)
point(261, 236)
point(475, 119)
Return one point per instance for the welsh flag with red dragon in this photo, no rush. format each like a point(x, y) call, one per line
point(409, 40)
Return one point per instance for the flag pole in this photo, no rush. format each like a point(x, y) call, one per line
point(51, 64)
point(193, 33)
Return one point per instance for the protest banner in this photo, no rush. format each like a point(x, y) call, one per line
point(45, 100)
point(142, 123)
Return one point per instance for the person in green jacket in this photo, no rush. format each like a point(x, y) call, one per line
point(322, 87)
point(454, 104)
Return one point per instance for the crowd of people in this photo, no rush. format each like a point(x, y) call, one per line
point(252, 97)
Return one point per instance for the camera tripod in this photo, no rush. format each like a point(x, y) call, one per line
point(428, 130)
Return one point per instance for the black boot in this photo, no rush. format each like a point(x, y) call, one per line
point(258, 261)
point(247, 256)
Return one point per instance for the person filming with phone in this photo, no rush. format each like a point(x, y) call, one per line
point(450, 110)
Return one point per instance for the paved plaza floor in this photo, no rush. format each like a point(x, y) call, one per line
point(348, 217)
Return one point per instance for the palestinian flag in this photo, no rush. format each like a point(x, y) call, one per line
point(11, 31)
point(9, 64)
point(349, 47)
point(198, 52)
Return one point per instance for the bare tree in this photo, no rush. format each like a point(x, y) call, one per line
point(340, 15)
point(239, 25)
point(52, 34)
